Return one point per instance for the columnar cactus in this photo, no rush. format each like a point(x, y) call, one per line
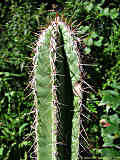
point(56, 71)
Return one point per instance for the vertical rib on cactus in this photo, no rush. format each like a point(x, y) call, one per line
point(63, 96)
point(79, 138)
point(43, 96)
point(83, 149)
point(73, 56)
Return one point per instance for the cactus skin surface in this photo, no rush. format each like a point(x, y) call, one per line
point(63, 96)
point(43, 96)
point(56, 70)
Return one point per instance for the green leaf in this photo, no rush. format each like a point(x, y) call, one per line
point(1, 151)
point(21, 129)
point(110, 92)
point(108, 140)
point(89, 7)
point(115, 85)
point(110, 98)
point(106, 11)
point(99, 42)
point(114, 13)
point(89, 42)
point(87, 50)
point(94, 35)
point(110, 154)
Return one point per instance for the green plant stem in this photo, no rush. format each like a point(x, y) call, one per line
point(63, 97)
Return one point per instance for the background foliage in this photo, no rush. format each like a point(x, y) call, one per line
point(97, 24)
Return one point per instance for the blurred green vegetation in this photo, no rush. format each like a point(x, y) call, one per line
point(96, 22)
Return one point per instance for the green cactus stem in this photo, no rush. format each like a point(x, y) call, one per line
point(43, 96)
point(74, 60)
point(62, 96)
point(56, 70)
